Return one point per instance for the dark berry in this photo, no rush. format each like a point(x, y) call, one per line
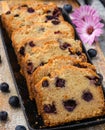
point(70, 105)
point(49, 17)
point(56, 12)
point(45, 21)
point(30, 10)
point(49, 75)
point(24, 5)
point(57, 32)
point(48, 11)
point(8, 12)
point(78, 53)
point(20, 127)
point(60, 82)
point(14, 101)
point(45, 83)
point(42, 63)
point(64, 46)
point(92, 52)
point(4, 87)
point(87, 96)
point(30, 68)
point(67, 8)
point(16, 15)
point(3, 115)
point(31, 44)
point(55, 22)
point(22, 51)
point(49, 108)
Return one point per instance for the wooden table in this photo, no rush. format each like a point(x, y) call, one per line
point(16, 116)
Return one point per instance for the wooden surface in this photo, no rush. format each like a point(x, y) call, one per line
point(16, 116)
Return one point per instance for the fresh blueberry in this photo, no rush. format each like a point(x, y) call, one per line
point(70, 105)
point(92, 52)
point(20, 127)
point(14, 101)
point(3, 115)
point(4, 87)
point(67, 8)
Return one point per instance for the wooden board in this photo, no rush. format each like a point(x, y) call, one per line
point(16, 116)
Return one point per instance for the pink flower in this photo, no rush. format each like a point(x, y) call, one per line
point(89, 29)
point(87, 23)
point(83, 11)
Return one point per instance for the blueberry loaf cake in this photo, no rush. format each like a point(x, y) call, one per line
point(70, 94)
point(62, 29)
point(28, 45)
point(40, 56)
point(25, 15)
point(66, 88)
point(53, 64)
point(58, 63)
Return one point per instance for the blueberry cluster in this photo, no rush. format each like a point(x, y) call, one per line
point(13, 101)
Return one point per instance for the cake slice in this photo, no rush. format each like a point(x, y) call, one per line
point(27, 46)
point(40, 56)
point(28, 13)
point(69, 94)
point(56, 64)
point(60, 29)
point(52, 65)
